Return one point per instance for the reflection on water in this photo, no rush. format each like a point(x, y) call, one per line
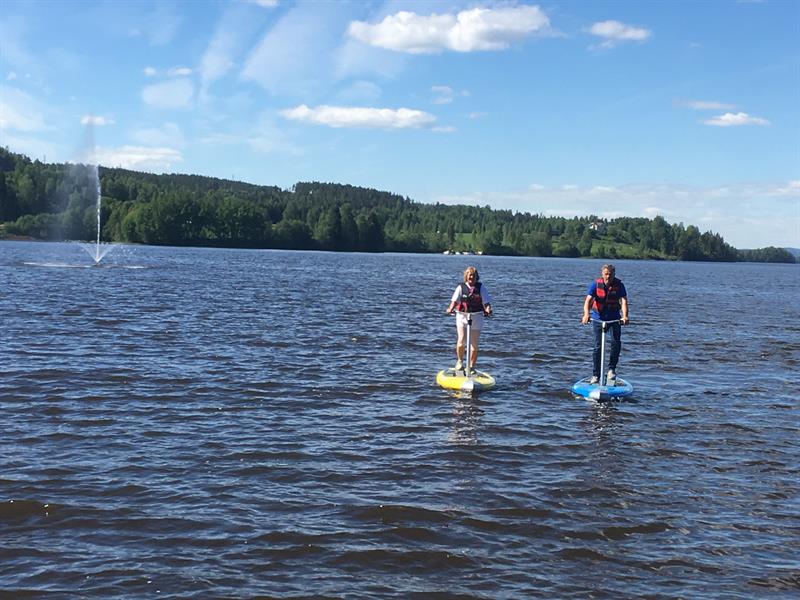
point(467, 416)
point(601, 421)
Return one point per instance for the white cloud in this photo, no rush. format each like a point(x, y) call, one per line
point(651, 212)
point(266, 137)
point(20, 111)
point(735, 119)
point(161, 25)
point(371, 118)
point(264, 3)
point(296, 56)
point(22, 119)
point(790, 189)
point(96, 120)
point(613, 32)
point(601, 189)
point(168, 134)
point(303, 53)
point(261, 134)
point(25, 55)
point(235, 30)
point(218, 57)
point(170, 94)
point(468, 31)
point(138, 158)
point(707, 105)
point(15, 52)
point(444, 94)
point(29, 146)
point(179, 72)
point(354, 59)
point(172, 72)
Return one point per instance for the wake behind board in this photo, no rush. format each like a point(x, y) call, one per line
point(457, 380)
point(595, 391)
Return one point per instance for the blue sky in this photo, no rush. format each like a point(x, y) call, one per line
point(689, 110)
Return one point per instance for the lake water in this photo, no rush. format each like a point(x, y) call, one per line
point(205, 423)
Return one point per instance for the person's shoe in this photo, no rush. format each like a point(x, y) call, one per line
point(612, 375)
point(459, 365)
point(594, 379)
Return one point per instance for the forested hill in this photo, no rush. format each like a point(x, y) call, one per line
point(58, 201)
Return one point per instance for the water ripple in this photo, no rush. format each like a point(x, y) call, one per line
point(204, 423)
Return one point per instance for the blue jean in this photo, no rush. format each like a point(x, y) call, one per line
point(613, 345)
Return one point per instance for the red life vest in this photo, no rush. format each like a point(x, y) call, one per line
point(606, 299)
point(470, 301)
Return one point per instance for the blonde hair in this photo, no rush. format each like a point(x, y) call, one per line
point(470, 270)
point(611, 269)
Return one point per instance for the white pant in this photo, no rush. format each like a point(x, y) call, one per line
point(477, 320)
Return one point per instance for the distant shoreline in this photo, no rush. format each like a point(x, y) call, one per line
point(18, 238)
point(57, 201)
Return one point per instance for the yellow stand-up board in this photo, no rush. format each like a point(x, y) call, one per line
point(458, 380)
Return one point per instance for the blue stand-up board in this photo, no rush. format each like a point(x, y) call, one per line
point(595, 391)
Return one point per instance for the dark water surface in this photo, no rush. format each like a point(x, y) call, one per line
point(198, 423)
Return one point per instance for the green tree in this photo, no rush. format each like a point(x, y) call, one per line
point(370, 232)
point(585, 244)
point(328, 232)
point(566, 249)
point(349, 229)
point(292, 234)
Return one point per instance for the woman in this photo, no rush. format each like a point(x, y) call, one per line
point(470, 298)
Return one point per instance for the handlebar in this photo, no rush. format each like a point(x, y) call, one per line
point(606, 323)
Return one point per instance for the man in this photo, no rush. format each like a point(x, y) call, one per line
point(607, 300)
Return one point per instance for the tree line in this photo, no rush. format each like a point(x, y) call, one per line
point(58, 201)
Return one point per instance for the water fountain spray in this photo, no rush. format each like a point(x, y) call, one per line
point(98, 250)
